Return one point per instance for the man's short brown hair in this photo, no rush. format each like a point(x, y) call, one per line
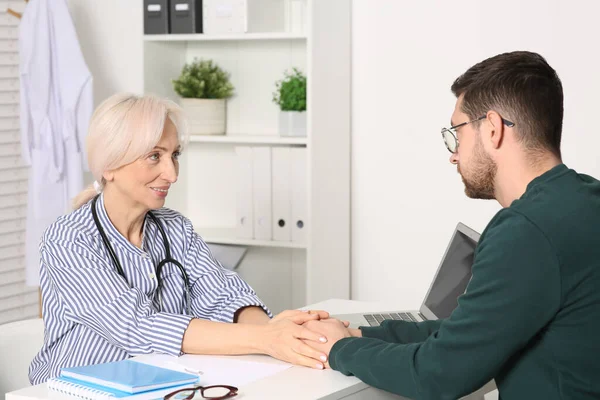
point(524, 89)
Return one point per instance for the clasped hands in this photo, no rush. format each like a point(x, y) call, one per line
point(305, 337)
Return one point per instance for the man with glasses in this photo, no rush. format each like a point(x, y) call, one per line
point(530, 318)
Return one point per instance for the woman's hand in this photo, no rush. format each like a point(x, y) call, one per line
point(284, 338)
point(301, 316)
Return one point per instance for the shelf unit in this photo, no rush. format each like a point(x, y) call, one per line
point(284, 274)
point(227, 236)
point(233, 37)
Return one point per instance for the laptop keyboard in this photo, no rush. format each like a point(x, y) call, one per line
point(377, 319)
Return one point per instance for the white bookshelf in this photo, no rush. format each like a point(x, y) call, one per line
point(231, 37)
point(285, 274)
point(228, 236)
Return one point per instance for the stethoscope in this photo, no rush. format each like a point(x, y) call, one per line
point(167, 259)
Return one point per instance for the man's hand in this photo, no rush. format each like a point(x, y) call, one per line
point(333, 330)
point(287, 339)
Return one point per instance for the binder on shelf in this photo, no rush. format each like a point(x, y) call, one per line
point(299, 194)
point(243, 16)
point(186, 16)
point(224, 16)
point(261, 186)
point(296, 16)
point(282, 203)
point(156, 17)
point(244, 198)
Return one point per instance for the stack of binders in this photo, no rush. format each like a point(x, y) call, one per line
point(213, 17)
point(272, 193)
point(172, 16)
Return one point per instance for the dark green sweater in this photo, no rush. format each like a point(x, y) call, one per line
point(530, 317)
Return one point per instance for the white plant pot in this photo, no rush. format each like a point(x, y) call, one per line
point(292, 123)
point(205, 116)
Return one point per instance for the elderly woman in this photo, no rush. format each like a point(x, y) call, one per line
point(123, 276)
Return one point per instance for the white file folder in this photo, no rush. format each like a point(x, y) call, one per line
point(261, 185)
point(299, 194)
point(282, 187)
point(245, 208)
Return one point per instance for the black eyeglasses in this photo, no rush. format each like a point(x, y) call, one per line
point(215, 392)
point(451, 138)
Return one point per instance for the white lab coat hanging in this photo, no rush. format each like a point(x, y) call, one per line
point(56, 106)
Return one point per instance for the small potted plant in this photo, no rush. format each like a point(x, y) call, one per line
point(290, 96)
point(204, 89)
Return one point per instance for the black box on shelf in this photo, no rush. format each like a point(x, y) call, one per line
point(156, 17)
point(186, 16)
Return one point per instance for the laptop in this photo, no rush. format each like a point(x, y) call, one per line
point(450, 281)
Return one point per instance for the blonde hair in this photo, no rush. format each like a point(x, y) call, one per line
point(124, 128)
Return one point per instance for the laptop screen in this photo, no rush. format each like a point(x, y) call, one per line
point(453, 275)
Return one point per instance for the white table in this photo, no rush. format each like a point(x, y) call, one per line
point(294, 383)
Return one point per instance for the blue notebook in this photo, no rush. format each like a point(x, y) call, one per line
point(73, 388)
point(128, 376)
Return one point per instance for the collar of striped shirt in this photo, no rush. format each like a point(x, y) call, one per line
point(113, 234)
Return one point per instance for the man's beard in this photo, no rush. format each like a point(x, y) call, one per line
point(479, 182)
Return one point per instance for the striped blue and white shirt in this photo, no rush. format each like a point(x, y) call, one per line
point(93, 315)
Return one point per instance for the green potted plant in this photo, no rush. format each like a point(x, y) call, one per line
point(290, 96)
point(204, 89)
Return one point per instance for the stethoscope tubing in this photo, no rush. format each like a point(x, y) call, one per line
point(168, 258)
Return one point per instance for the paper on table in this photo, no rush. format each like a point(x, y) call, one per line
point(234, 371)
point(221, 370)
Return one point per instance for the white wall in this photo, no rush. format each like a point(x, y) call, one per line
point(406, 196)
point(110, 34)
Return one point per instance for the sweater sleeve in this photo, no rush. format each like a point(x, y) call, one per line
point(515, 269)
